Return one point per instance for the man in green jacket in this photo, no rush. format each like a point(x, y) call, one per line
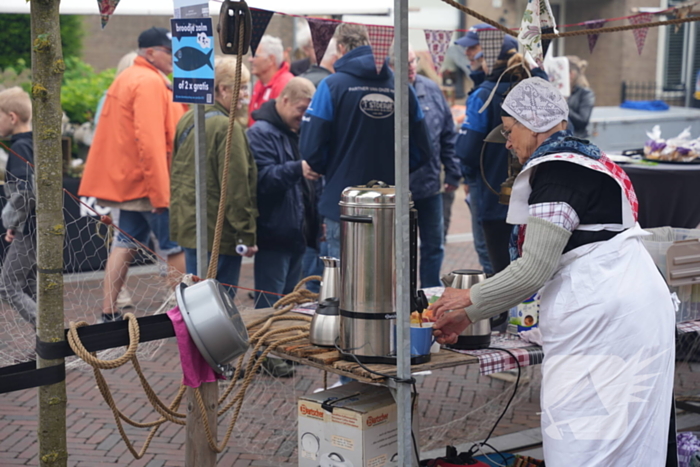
point(241, 204)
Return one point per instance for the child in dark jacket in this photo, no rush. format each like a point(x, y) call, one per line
point(18, 275)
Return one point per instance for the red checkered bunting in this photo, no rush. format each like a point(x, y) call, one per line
point(491, 41)
point(107, 8)
point(438, 41)
point(688, 327)
point(496, 361)
point(380, 38)
point(640, 35)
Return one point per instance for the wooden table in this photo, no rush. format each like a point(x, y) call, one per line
point(328, 359)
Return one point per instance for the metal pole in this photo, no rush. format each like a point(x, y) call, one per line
point(403, 345)
point(200, 170)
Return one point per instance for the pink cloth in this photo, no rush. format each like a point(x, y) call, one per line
point(195, 370)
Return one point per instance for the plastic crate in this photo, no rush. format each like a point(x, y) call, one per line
point(657, 245)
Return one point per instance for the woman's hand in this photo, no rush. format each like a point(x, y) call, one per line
point(449, 326)
point(451, 299)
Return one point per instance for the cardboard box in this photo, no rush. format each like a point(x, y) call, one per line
point(354, 425)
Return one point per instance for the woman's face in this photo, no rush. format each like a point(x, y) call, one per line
point(226, 95)
point(520, 140)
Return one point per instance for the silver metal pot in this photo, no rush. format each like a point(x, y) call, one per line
point(368, 295)
point(478, 334)
point(213, 321)
point(325, 325)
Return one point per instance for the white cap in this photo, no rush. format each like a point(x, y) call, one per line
point(537, 104)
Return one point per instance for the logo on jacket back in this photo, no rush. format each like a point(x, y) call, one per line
point(377, 106)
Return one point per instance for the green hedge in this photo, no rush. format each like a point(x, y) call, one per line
point(16, 38)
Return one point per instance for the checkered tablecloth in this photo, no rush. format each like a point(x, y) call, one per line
point(688, 326)
point(492, 360)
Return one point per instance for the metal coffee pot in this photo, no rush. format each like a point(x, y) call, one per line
point(325, 325)
point(330, 282)
point(477, 335)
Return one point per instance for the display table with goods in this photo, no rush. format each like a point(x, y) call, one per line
point(665, 175)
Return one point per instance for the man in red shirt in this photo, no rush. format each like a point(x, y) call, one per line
point(272, 72)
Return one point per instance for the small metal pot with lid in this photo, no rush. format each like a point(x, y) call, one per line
point(478, 334)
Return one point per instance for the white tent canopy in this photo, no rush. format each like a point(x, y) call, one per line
point(165, 7)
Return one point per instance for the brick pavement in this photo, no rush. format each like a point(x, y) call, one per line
point(456, 404)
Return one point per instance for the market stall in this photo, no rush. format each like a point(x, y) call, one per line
point(667, 193)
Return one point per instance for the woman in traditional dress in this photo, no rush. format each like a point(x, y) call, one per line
point(606, 316)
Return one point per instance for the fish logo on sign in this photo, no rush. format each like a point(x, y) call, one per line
point(189, 59)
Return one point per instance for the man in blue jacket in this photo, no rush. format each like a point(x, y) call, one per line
point(425, 182)
point(347, 133)
point(286, 192)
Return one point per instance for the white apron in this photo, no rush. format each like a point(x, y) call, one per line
point(607, 324)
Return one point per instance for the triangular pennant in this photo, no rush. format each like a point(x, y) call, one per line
point(593, 38)
point(491, 42)
point(321, 34)
point(107, 8)
point(438, 40)
point(683, 12)
point(537, 18)
point(640, 35)
point(260, 19)
point(380, 38)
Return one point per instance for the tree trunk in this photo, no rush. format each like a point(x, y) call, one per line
point(47, 72)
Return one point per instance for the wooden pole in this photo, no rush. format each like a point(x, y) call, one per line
point(197, 450)
point(47, 72)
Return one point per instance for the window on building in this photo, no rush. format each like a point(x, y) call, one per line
point(679, 72)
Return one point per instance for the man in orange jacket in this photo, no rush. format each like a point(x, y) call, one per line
point(128, 166)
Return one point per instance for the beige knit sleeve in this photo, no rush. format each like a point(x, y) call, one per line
point(543, 247)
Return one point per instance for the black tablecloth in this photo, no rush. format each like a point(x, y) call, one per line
point(668, 194)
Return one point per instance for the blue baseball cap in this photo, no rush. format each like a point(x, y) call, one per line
point(471, 38)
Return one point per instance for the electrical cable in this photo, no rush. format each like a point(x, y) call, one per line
point(384, 375)
point(414, 396)
point(477, 446)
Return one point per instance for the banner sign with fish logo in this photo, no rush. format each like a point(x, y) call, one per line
point(193, 60)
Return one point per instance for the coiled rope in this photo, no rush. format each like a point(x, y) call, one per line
point(263, 337)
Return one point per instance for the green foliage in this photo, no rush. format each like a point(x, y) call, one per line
point(16, 41)
point(82, 89)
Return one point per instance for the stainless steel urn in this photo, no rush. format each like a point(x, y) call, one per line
point(368, 272)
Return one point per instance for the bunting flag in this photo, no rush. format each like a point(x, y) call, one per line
point(107, 8)
point(380, 38)
point(438, 41)
point(683, 12)
point(593, 38)
point(260, 20)
point(321, 34)
point(491, 41)
point(640, 35)
point(537, 19)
